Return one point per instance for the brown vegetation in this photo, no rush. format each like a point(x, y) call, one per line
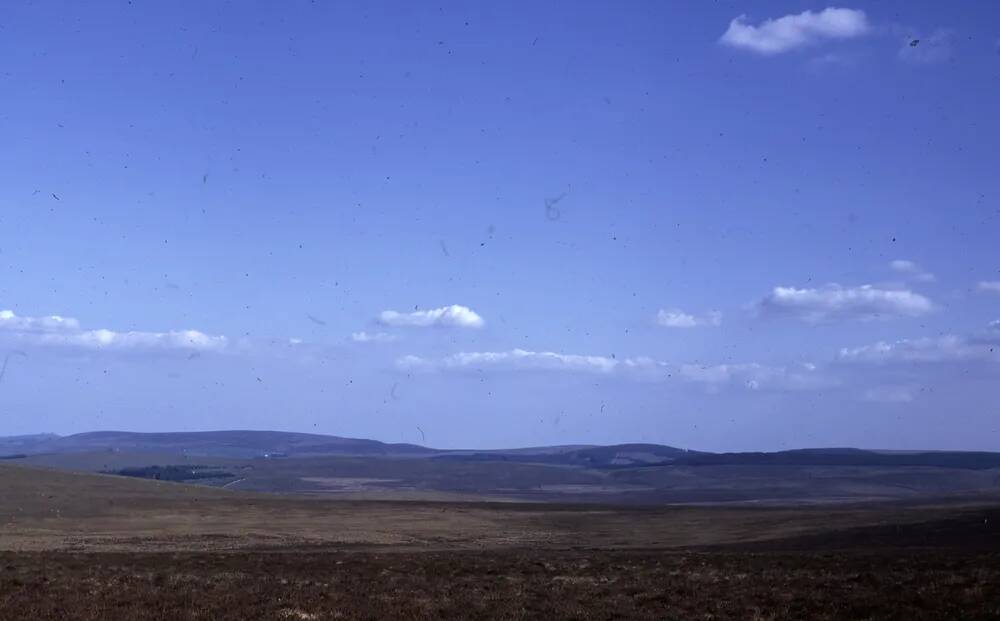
point(511, 584)
point(104, 547)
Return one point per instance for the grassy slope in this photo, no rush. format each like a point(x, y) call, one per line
point(408, 478)
point(102, 547)
point(44, 509)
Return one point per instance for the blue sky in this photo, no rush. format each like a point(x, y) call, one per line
point(717, 226)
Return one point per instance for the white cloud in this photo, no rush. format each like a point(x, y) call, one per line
point(901, 371)
point(679, 319)
point(454, 315)
point(108, 339)
point(834, 302)
point(414, 363)
point(989, 286)
point(934, 48)
point(911, 270)
point(51, 323)
point(377, 337)
point(516, 359)
point(981, 346)
point(947, 348)
point(59, 331)
point(775, 36)
point(754, 376)
point(751, 376)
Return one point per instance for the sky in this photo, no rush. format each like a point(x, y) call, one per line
point(718, 226)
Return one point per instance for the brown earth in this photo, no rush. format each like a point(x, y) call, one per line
point(103, 547)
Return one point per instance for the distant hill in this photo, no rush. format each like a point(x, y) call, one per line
point(631, 473)
point(245, 444)
point(846, 457)
point(235, 444)
point(17, 443)
point(621, 455)
point(656, 455)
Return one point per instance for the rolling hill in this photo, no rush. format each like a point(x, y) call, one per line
point(633, 473)
point(245, 444)
point(234, 444)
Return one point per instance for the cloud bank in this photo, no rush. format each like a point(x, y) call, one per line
point(57, 331)
point(751, 376)
point(947, 348)
point(783, 34)
point(926, 349)
point(834, 302)
point(515, 359)
point(52, 323)
point(446, 316)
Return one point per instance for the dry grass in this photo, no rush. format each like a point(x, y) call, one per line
point(99, 547)
point(46, 510)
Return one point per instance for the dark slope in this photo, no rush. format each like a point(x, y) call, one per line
point(621, 455)
point(247, 444)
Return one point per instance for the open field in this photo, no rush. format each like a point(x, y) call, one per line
point(105, 547)
point(44, 509)
point(402, 478)
point(625, 474)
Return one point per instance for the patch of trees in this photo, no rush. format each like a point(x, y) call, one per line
point(173, 473)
